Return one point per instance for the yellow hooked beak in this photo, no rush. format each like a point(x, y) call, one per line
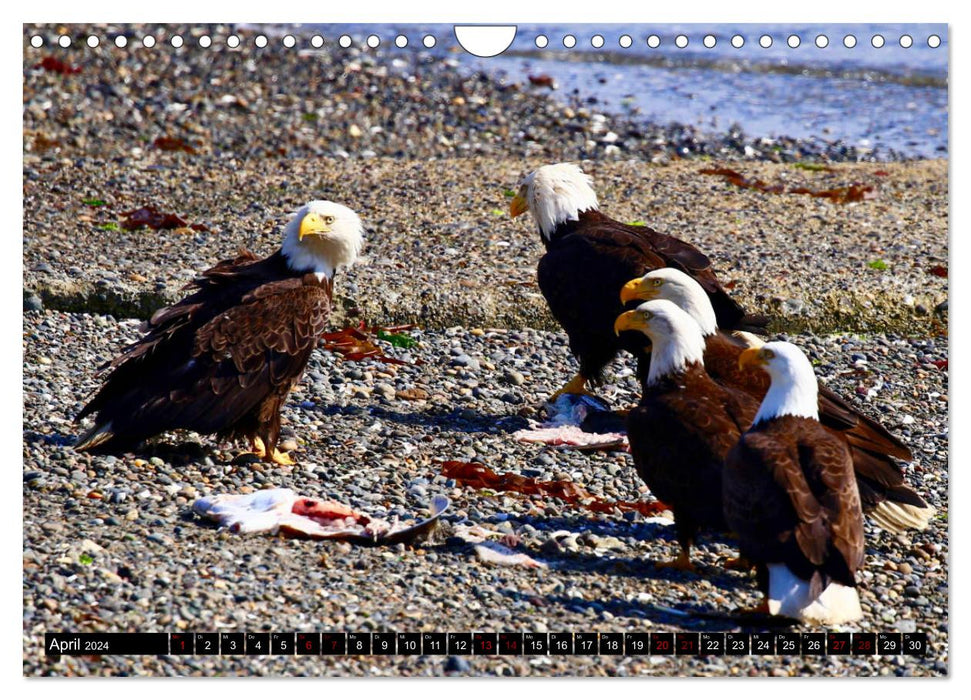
point(752, 358)
point(630, 321)
point(313, 224)
point(639, 289)
point(517, 206)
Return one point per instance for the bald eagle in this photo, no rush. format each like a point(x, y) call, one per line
point(791, 497)
point(224, 359)
point(889, 501)
point(590, 256)
point(684, 424)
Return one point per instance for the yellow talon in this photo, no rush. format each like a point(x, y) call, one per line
point(680, 563)
point(259, 449)
point(282, 458)
point(577, 385)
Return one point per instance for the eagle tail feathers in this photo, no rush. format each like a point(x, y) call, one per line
point(791, 596)
point(897, 517)
point(97, 436)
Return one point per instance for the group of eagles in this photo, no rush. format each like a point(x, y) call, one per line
point(732, 433)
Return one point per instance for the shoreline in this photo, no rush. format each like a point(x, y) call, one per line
point(232, 102)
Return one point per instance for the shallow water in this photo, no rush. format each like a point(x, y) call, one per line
point(890, 98)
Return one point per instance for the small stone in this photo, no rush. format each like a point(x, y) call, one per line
point(512, 377)
point(456, 664)
point(384, 390)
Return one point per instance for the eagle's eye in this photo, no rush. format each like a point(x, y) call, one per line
point(657, 282)
point(328, 220)
point(767, 354)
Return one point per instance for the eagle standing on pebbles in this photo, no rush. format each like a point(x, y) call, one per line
point(589, 257)
point(885, 495)
point(684, 424)
point(791, 496)
point(224, 359)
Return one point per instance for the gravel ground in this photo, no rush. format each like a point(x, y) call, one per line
point(425, 155)
point(441, 249)
point(124, 554)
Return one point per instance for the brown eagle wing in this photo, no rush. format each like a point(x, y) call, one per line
point(248, 331)
point(815, 497)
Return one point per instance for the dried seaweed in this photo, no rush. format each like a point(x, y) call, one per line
point(56, 65)
point(478, 475)
point(854, 192)
point(355, 344)
point(150, 216)
point(173, 143)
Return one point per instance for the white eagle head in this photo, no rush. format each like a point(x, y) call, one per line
point(676, 339)
point(321, 237)
point(553, 195)
point(794, 390)
point(675, 286)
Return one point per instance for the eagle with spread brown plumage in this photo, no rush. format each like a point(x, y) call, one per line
point(684, 424)
point(590, 256)
point(224, 359)
point(885, 495)
point(791, 497)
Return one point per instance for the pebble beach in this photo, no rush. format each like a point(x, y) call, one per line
point(231, 142)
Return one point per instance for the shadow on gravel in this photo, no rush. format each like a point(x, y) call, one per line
point(696, 619)
point(176, 453)
point(464, 420)
point(647, 532)
point(56, 439)
point(638, 567)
